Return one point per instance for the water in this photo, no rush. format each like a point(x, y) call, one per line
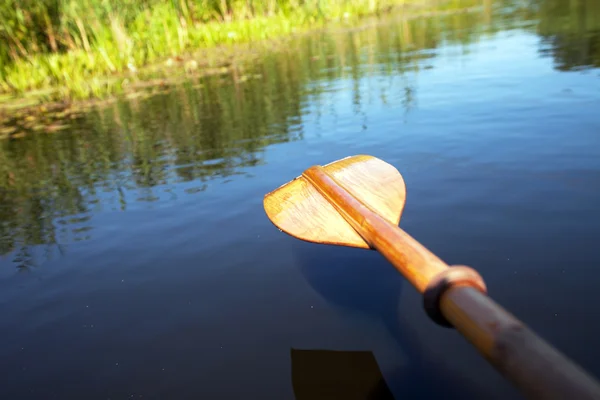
point(138, 261)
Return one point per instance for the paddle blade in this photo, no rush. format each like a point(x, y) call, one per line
point(298, 209)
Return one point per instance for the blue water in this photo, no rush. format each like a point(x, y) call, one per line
point(165, 279)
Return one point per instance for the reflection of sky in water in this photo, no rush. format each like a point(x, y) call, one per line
point(472, 95)
point(191, 284)
point(462, 87)
point(491, 88)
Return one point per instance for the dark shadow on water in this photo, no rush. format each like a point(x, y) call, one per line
point(362, 281)
point(328, 374)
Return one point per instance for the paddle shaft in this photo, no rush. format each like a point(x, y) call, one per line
point(536, 368)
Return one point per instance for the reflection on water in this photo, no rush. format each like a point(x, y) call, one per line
point(138, 151)
point(162, 276)
point(570, 32)
point(322, 375)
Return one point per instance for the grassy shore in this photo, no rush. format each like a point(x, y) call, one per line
point(81, 49)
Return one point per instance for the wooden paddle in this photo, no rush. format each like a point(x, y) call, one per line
point(357, 202)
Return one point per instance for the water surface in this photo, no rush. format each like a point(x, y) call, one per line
point(138, 261)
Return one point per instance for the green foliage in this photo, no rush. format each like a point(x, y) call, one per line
point(64, 43)
point(88, 48)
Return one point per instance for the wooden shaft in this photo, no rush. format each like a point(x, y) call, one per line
point(529, 362)
point(539, 370)
point(412, 259)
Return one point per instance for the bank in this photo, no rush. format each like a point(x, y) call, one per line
point(93, 52)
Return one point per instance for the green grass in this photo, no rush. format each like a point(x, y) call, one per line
point(74, 46)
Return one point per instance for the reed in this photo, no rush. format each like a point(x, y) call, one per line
point(68, 48)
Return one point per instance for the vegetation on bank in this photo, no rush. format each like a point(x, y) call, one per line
point(68, 48)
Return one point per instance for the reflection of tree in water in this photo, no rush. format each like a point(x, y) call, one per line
point(570, 32)
point(577, 52)
point(208, 128)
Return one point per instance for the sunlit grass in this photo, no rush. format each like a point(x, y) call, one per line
point(75, 46)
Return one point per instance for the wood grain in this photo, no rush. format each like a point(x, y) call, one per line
point(358, 202)
point(300, 210)
point(414, 261)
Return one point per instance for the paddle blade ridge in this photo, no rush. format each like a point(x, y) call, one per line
point(299, 209)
